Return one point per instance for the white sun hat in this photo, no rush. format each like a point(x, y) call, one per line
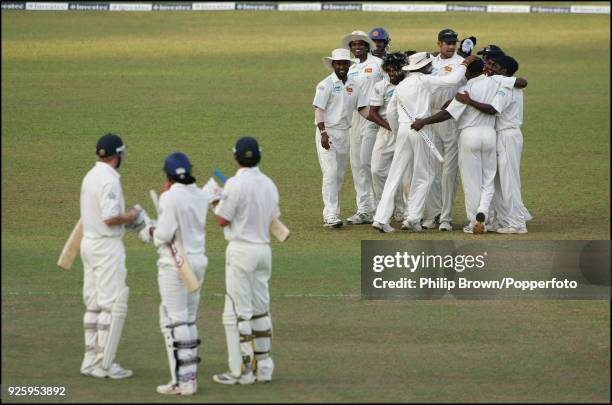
point(357, 36)
point(337, 54)
point(417, 61)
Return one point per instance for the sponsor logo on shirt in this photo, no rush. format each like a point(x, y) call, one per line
point(337, 89)
point(501, 92)
point(389, 93)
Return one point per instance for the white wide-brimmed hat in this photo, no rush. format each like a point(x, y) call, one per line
point(357, 36)
point(417, 61)
point(337, 54)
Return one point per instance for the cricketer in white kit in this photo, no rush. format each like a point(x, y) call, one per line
point(182, 215)
point(477, 143)
point(441, 197)
point(509, 215)
point(105, 292)
point(413, 97)
point(384, 147)
point(247, 207)
point(336, 97)
point(366, 72)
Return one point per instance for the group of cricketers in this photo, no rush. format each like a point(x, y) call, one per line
point(410, 122)
point(245, 207)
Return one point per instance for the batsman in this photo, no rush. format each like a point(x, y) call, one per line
point(181, 219)
point(248, 205)
point(105, 292)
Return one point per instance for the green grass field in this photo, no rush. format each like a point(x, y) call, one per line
point(195, 82)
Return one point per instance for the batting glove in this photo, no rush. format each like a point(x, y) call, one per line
point(145, 233)
point(213, 191)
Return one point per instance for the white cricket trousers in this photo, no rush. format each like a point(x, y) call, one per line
point(104, 278)
point(248, 267)
point(362, 139)
point(178, 307)
point(332, 162)
point(477, 164)
point(411, 152)
point(441, 197)
point(508, 202)
point(382, 156)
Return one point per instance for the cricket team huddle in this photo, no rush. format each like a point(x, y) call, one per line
point(409, 122)
point(245, 207)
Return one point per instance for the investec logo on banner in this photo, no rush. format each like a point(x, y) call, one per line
point(256, 6)
point(47, 6)
point(591, 9)
point(404, 7)
point(547, 9)
point(13, 6)
point(457, 7)
point(171, 7)
point(508, 9)
point(89, 7)
point(300, 7)
point(341, 7)
point(213, 6)
point(130, 7)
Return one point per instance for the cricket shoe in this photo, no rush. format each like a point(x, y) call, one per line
point(512, 230)
point(431, 223)
point(412, 226)
point(360, 218)
point(398, 216)
point(183, 388)
point(332, 222)
point(115, 371)
point(228, 379)
point(445, 226)
point(493, 226)
point(385, 228)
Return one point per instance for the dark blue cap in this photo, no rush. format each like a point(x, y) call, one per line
point(490, 50)
point(447, 35)
point(247, 151)
point(109, 145)
point(178, 166)
point(379, 33)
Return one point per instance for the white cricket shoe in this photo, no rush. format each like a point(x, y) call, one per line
point(512, 230)
point(115, 371)
point(429, 224)
point(228, 379)
point(332, 222)
point(414, 226)
point(265, 367)
point(445, 226)
point(360, 218)
point(182, 388)
point(493, 226)
point(385, 228)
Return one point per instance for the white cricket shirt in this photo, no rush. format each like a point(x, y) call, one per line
point(183, 208)
point(101, 199)
point(509, 105)
point(416, 90)
point(381, 95)
point(339, 100)
point(482, 89)
point(249, 203)
point(367, 74)
point(443, 67)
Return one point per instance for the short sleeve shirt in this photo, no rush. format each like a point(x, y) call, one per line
point(101, 199)
point(339, 100)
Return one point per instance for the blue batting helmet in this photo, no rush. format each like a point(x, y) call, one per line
point(379, 34)
point(178, 167)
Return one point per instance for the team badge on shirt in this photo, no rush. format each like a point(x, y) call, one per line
point(368, 70)
point(349, 89)
point(448, 68)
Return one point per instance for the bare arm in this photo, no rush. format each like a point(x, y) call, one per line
point(440, 116)
point(375, 117)
point(125, 218)
point(221, 221)
point(485, 108)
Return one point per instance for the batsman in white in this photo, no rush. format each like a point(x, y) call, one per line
point(247, 207)
point(413, 97)
point(366, 72)
point(477, 142)
point(105, 292)
point(336, 97)
point(510, 215)
point(384, 147)
point(441, 197)
point(182, 215)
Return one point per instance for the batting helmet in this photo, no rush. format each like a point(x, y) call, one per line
point(178, 168)
point(379, 34)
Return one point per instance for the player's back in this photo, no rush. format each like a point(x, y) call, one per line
point(190, 207)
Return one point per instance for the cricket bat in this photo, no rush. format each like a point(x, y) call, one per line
point(277, 228)
point(425, 137)
point(72, 247)
point(178, 253)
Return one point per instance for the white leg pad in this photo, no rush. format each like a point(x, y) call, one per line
point(118, 315)
point(90, 325)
